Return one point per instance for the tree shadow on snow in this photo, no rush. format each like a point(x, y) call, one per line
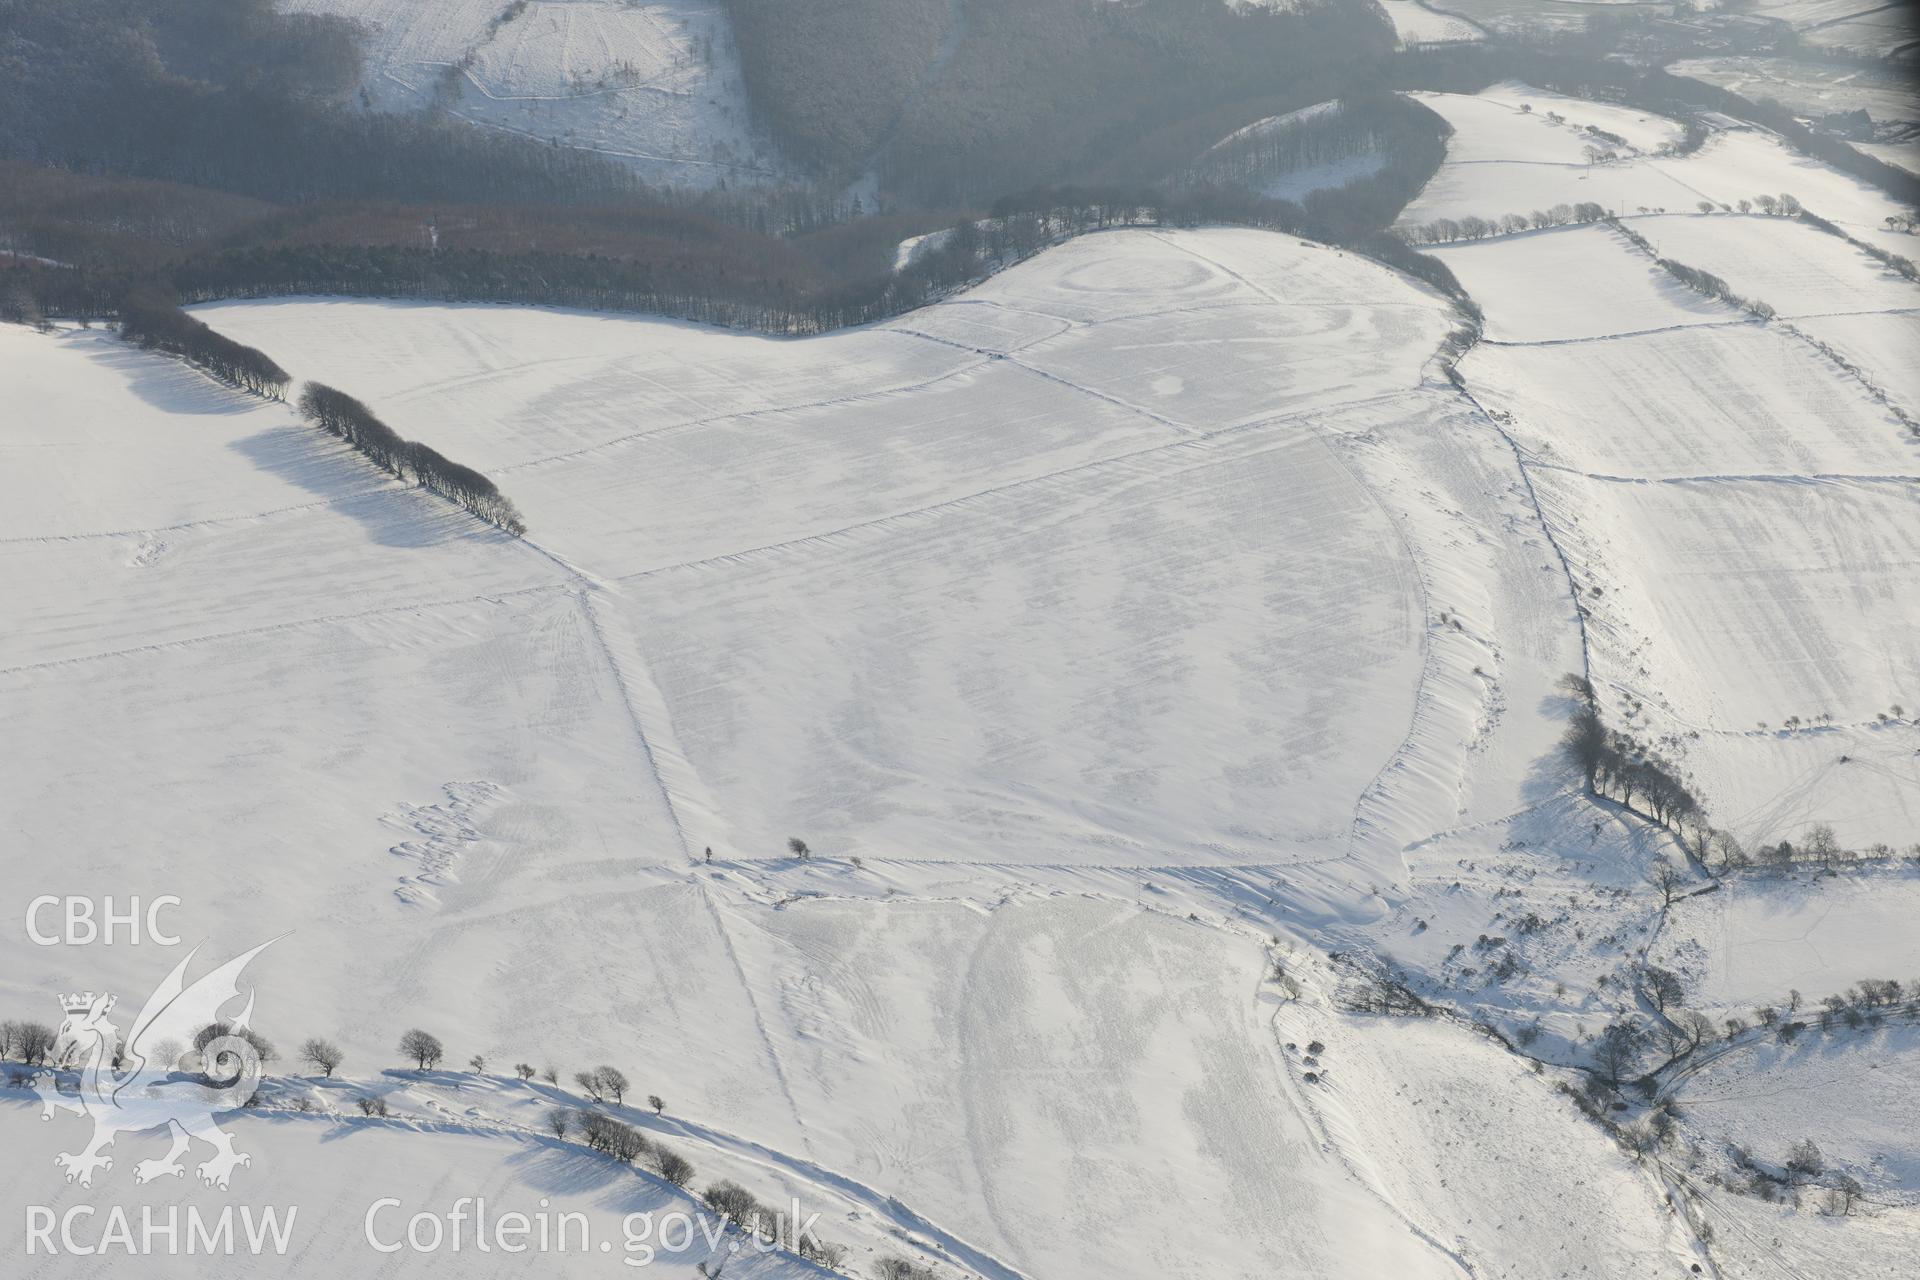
point(1550, 773)
point(393, 514)
point(168, 384)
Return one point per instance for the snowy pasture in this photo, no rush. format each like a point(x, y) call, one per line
point(1797, 269)
point(1883, 345)
point(1692, 461)
point(1855, 1089)
point(1764, 935)
point(1502, 160)
point(1727, 400)
point(1806, 580)
point(931, 551)
point(1622, 291)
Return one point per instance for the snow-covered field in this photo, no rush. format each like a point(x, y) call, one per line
point(1797, 269)
point(1696, 402)
point(1882, 345)
point(936, 549)
point(1764, 935)
point(1502, 160)
point(654, 83)
point(1695, 463)
point(1622, 291)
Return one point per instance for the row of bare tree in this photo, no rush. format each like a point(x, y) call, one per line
point(339, 414)
point(157, 324)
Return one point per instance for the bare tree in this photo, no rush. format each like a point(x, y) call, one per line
point(602, 1083)
point(1666, 881)
point(425, 1050)
point(732, 1203)
point(672, 1166)
point(1618, 1048)
point(1663, 988)
point(323, 1056)
point(602, 1133)
point(33, 1042)
point(1845, 1194)
point(1805, 1161)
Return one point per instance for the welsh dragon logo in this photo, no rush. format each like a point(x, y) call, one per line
point(143, 1088)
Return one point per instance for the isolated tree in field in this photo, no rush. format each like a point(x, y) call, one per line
point(612, 1083)
point(798, 848)
point(589, 1082)
point(559, 1122)
point(424, 1049)
point(479, 1064)
point(524, 1070)
point(323, 1056)
point(653, 1100)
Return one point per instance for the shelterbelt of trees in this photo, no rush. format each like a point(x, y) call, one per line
point(339, 414)
point(156, 323)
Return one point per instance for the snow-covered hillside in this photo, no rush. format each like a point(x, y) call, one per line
point(1097, 566)
point(654, 83)
point(1162, 651)
point(1416, 24)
